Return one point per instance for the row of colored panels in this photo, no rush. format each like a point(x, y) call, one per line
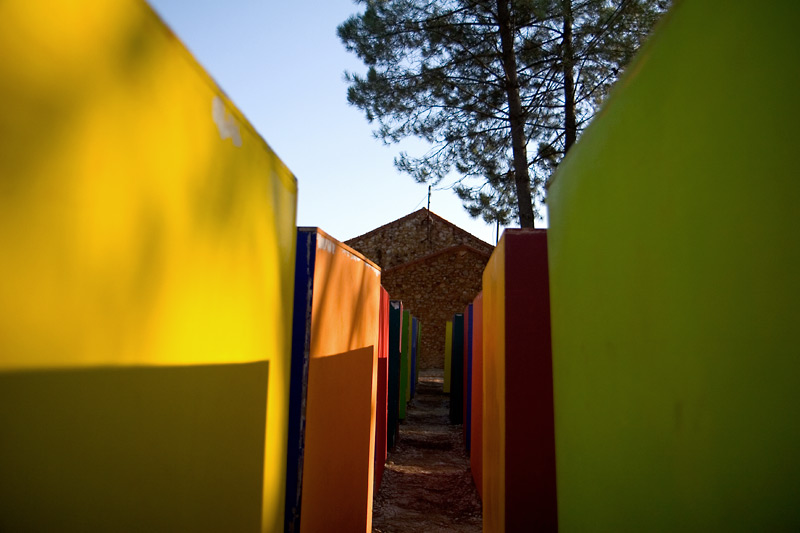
point(403, 373)
point(638, 362)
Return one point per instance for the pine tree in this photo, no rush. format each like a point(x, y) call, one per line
point(501, 89)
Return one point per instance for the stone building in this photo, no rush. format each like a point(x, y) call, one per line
point(433, 266)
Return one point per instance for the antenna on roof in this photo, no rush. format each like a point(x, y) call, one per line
point(429, 197)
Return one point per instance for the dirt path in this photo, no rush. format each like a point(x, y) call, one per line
point(427, 486)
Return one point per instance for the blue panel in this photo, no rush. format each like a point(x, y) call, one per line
point(457, 371)
point(395, 330)
point(298, 386)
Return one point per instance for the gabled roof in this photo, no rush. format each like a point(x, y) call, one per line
point(423, 212)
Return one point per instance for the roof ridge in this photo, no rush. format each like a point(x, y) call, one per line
point(429, 214)
point(388, 224)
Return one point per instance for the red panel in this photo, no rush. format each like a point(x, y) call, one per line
point(476, 439)
point(530, 434)
point(383, 383)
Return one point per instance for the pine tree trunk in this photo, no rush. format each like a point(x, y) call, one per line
point(568, 59)
point(516, 116)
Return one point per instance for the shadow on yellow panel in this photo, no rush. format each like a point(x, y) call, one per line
point(146, 449)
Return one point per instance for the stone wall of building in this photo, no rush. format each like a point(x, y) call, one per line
point(434, 289)
point(433, 266)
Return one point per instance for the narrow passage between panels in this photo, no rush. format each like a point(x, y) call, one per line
point(427, 485)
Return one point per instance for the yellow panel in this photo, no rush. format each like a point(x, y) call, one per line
point(494, 388)
point(125, 209)
point(143, 222)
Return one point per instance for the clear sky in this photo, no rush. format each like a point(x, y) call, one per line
point(282, 65)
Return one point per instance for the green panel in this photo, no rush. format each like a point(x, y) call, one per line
point(405, 348)
point(674, 257)
point(133, 449)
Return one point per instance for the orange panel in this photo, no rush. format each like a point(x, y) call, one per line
point(338, 473)
point(337, 477)
point(494, 405)
point(344, 312)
